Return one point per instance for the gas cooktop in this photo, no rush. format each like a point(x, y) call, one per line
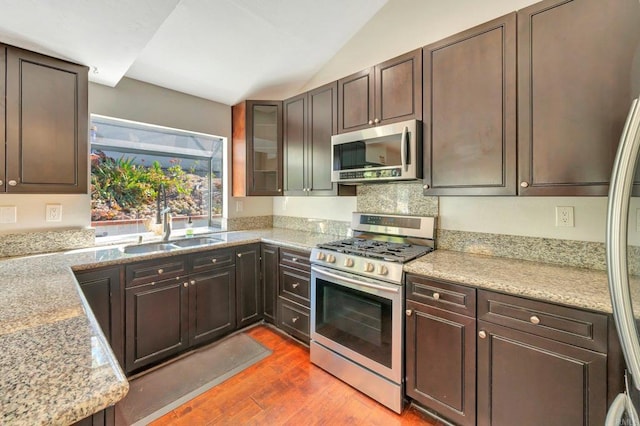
point(377, 249)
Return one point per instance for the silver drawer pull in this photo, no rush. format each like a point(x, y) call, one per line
point(482, 334)
point(534, 319)
point(409, 312)
point(160, 271)
point(295, 285)
point(239, 254)
point(192, 282)
point(13, 183)
point(294, 259)
point(436, 296)
point(185, 285)
point(294, 319)
point(214, 260)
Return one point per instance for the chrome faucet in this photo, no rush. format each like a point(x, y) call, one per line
point(163, 216)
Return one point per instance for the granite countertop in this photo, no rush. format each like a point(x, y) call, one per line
point(569, 286)
point(57, 366)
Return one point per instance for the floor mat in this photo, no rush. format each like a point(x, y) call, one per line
point(155, 394)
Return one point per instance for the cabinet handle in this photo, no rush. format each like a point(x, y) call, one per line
point(370, 122)
point(294, 319)
point(409, 312)
point(185, 284)
point(279, 189)
point(436, 296)
point(534, 319)
point(295, 285)
point(214, 260)
point(482, 334)
point(160, 271)
point(376, 121)
point(1, 183)
point(425, 186)
point(239, 254)
point(294, 259)
point(13, 183)
point(524, 184)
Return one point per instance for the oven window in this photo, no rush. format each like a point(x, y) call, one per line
point(359, 321)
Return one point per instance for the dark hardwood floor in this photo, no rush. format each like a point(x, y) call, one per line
point(286, 389)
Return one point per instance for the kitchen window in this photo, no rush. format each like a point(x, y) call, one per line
point(130, 164)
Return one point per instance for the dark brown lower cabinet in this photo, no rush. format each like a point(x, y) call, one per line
point(157, 322)
point(249, 292)
point(103, 290)
point(106, 417)
point(212, 307)
point(269, 270)
point(294, 286)
point(525, 379)
point(441, 361)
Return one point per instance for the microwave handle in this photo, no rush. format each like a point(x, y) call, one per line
point(404, 149)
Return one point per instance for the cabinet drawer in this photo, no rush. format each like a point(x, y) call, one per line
point(294, 285)
point(211, 259)
point(572, 326)
point(444, 295)
point(294, 319)
point(155, 270)
point(295, 258)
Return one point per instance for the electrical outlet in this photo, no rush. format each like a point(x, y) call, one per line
point(54, 213)
point(564, 216)
point(239, 206)
point(8, 214)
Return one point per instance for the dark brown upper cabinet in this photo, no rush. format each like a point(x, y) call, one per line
point(470, 111)
point(46, 124)
point(389, 92)
point(310, 119)
point(577, 74)
point(257, 148)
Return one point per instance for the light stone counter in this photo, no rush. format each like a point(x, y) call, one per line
point(56, 366)
point(569, 286)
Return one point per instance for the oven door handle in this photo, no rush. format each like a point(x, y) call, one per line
point(404, 149)
point(363, 283)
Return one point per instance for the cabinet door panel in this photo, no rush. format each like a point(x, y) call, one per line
point(212, 305)
point(248, 289)
point(323, 123)
point(399, 88)
point(157, 320)
point(470, 111)
point(103, 290)
point(295, 155)
point(3, 88)
point(269, 267)
point(46, 124)
point(529, 380)
point(440, 350)
point(577, 76)
point(355, 101)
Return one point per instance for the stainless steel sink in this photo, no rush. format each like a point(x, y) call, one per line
point(196, 241)
point(149, 248)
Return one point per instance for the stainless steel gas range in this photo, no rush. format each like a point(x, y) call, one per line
point(357, 302)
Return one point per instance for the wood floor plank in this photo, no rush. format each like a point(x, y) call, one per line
point(286, 389)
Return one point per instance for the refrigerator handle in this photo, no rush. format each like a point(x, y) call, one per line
point(616, 241)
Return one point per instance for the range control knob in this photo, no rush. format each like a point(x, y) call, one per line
point(348, 262)
point(320, 255)
point(368, 267)
point(331, 258)
point(382, 270)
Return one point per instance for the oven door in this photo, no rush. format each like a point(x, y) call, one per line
point(358, 318)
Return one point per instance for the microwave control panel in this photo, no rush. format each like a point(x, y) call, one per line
point(372, 174)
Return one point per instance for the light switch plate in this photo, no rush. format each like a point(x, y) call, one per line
point(54, 213)
point(8, 214)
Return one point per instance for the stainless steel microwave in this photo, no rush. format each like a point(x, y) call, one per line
point(379, 154)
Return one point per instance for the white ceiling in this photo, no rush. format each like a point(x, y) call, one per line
point(222, 50)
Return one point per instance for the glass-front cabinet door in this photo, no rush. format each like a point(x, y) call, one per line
point(264, 122)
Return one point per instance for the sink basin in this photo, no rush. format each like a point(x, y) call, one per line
point(196, 241)
point(149, 248)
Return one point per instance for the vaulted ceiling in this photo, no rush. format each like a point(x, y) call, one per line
point(222, 50)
